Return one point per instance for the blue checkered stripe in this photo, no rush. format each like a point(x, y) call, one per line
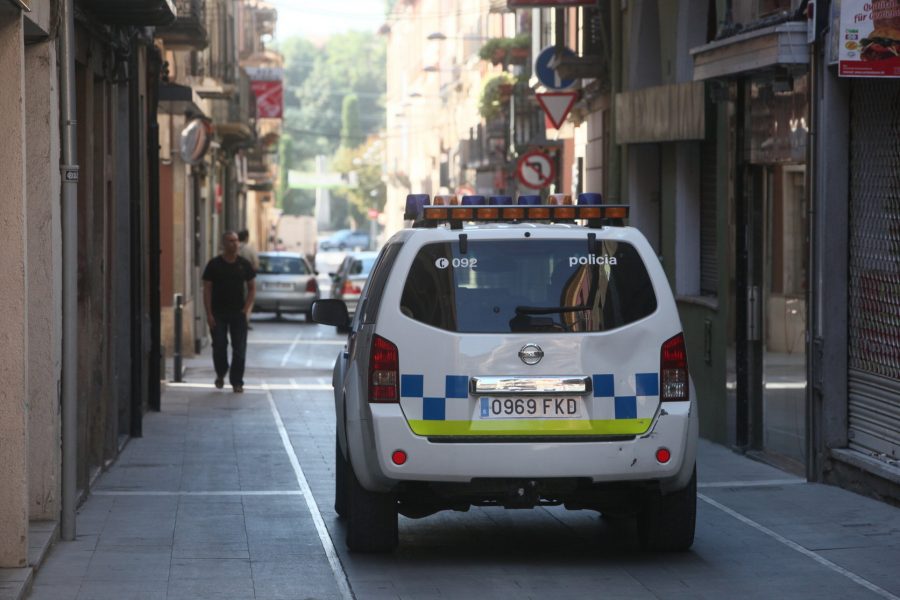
point(633, 397)
point(445, 403)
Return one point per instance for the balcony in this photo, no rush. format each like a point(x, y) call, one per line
point(188, 31)
point(131, 12)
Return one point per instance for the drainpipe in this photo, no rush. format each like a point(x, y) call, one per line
point(615, 162)
point(70, 274)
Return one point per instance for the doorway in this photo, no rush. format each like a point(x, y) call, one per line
point(777, 268)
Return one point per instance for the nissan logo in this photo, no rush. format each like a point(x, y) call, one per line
point(531, 354)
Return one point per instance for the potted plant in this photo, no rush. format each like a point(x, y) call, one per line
point(506, 50)
point(493, 51)
point(494, 95)
point(519, 49)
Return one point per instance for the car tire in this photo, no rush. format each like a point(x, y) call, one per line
point(666, 523)
point(343, 329)
point(371, 518)
point(342, 246)
point(340, 479)
point(308, 316)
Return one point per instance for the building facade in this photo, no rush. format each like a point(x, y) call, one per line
point(767, 184)
point(107, 214)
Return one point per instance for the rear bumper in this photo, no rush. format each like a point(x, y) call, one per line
point(675, 427)
point(284, 301)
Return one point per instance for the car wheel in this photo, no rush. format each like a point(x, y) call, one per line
point(371, 518)
point(666, 522)
point(343, 329)
point(340, 479)
point(308, 316)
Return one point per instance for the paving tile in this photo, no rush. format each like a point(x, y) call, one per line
point(209, 568)
point(122, 590)
point(54, 591)
point(129, 564)
point(231, 588)
point(193, 549)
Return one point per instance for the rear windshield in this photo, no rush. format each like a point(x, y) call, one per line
point(528, 286)
point(282, 265)
point(362, 266)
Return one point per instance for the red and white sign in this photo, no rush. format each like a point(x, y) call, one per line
point(869, 42)
point(269, 99)
point(535, 170)
point(557, 105)
point(549, 3)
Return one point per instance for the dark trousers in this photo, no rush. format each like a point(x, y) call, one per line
point(235, 325)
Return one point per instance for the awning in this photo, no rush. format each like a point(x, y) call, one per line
point(234, 133)
point(132, 12)
point(176, 99)
point(665, 113)
point(782, 45)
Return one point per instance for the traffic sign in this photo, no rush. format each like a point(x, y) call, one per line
point(548, 75)
point(535, 170)
point(557, 105)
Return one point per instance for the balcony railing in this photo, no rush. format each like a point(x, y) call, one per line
point(188, 32)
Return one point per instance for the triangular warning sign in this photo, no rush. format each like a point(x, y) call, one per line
point(557, 105)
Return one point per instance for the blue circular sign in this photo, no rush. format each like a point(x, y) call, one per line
point(547, 75)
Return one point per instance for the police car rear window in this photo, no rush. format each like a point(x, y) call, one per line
point(540, 286)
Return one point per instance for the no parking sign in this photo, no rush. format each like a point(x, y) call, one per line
point(535, 170)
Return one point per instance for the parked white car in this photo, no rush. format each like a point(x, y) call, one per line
point(285, 283)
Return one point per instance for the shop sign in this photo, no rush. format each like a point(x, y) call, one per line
point(869, 38)
point(269, 98)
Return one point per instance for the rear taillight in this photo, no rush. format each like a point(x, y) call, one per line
point(384, 367)
point(673, 370)
point(312, 286)
point(349, 288)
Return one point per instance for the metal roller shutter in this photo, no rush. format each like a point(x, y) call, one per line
point(874, 288)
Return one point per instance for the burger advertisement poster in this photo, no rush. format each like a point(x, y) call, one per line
point(870, 38)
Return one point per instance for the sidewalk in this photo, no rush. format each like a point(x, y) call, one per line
point(207, 501)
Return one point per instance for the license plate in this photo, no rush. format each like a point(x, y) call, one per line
point(280, 285)
point(530, 408)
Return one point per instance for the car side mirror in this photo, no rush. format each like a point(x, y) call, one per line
point(331, 312)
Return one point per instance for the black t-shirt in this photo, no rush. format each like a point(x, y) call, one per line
point(228, 281)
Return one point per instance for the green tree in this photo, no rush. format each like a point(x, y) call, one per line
point(285, 152)
point(350, 131)
point(335, 100)
point(361, 167)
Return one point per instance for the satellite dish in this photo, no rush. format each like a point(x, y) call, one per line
point(195, 139)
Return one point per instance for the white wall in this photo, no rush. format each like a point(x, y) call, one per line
point(13, 295)
point(44, 280)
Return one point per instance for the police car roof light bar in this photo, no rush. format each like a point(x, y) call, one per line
point(590, 198)
point(414, 205)
point(447, 208)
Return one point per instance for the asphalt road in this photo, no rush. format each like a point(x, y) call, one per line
point(756, 536)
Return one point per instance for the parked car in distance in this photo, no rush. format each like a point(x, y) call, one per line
point(348, 281)
point(345, 239)
point(285, 283)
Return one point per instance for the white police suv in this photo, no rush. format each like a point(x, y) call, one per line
point(514, 355)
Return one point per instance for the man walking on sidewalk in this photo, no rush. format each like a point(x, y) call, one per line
point(246, 250)
point(227, 307)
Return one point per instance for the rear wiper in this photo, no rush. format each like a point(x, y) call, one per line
point(549, 310)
